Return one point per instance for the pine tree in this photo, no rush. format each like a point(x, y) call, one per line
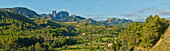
point(38, 46)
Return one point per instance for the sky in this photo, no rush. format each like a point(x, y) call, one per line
point(136, 10)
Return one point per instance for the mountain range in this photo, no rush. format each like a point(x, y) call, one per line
point(23, 11)
point(63, 16)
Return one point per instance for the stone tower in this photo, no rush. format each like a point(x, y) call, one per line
point(54, 13)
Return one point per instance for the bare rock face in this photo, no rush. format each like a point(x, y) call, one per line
point(54, 13)
point(62, 14)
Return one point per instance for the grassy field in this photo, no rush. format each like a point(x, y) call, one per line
point(84, 47)
point(93, 45)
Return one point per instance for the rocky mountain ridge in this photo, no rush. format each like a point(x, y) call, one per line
point(63, 16)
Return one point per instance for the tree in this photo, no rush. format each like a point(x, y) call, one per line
point(145, 35)
point(31, 48)
point(38, 46)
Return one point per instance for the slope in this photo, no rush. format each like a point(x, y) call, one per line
point(14, 16)
point(72, 18)
point(23, 11)
point(116, 21)
point(164, 43)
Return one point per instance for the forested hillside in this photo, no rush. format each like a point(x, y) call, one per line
point(17, 32)
point(164, 43)
point(144, 36)
point(20, 31)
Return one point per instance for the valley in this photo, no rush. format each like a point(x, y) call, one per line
point(22, 29)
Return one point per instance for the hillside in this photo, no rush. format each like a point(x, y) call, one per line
point(72, 18)
point(144, 35)
point(91, 21)
point(63, 16)
point(116, 21)
point(18, 31)
point(164, 43)
point(23, 11)
point(13, 16)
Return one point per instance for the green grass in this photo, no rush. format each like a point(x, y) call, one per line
point(82, 47)
point(106, 38)
point(97, 35)
point(91, 45)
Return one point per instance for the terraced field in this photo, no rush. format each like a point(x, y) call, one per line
point(91, 45)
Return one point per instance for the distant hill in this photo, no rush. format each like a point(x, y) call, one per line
point(13, 16)
point(10, 19)
point(91, 21)
point(72, 18)
point(63, 16)
point(109, 21)
point(23, 11)
point(116, 21)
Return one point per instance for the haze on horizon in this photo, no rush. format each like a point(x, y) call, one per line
point(137, 10)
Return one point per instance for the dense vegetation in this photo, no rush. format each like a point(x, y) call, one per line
point(23, 11)
point(21, 33)
point(144, 35)
point(17, 32)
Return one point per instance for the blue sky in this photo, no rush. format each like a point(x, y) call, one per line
point(136, 10)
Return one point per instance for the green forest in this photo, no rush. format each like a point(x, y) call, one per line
point(20, 33)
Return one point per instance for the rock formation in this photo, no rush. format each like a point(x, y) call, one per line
point(62, 14)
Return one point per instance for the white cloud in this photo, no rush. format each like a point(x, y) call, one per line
point(128, 15)
point(164, 13)
point(143, 10)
